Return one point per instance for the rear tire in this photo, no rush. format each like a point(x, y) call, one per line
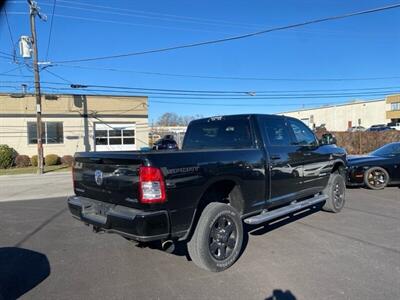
point(376, 178)
point(336, 192)
point(217, 239)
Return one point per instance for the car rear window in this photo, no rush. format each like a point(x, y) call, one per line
point(219, 133)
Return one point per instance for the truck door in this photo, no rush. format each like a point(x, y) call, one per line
point(316, 163)
point(283, 160)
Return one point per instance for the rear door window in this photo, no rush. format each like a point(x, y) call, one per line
point(219, 133)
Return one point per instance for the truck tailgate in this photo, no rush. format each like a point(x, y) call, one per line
point(108, 177)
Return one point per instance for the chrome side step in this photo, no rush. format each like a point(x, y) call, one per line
point(279, 212)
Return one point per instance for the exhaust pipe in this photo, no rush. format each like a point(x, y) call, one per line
point(168, 246)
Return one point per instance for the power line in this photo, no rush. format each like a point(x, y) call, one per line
point(9, 86)
point(164, 17)
point(51, 28)
point(214, 97)
point(127, 23)
point(58, 76)
point(244, 105)
point(6, 72)
point(237, 37)
point(14, 75)
point(189, 91)
point(202, 103)
point(9, 31)
point(135, 24)
point(226, 77)
point(172, 16)
point(5, 57)
point(222, 93)
point(7, 54)
point(231, 94)
point(168, 19)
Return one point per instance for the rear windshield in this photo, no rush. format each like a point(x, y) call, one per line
point(223, 133)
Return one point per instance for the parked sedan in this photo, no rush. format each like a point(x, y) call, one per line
point(377, 169)
point(356, 129)
point(166, 143)
point(380, 127)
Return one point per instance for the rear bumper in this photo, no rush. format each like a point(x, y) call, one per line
point(128, 222)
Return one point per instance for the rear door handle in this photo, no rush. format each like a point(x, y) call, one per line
point(307, 153)
point(275, 157)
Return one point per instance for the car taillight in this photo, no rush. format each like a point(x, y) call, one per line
point(151, 185)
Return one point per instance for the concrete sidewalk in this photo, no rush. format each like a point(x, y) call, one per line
point(33, 186)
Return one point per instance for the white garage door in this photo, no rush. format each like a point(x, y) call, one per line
point(114, 137)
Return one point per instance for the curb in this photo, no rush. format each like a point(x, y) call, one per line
point(59, 173)
point(61, 195)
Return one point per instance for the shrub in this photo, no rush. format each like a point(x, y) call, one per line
point(7, 155)
point(34, 160)
point(22, 161)
point(52, 160)
point(364, 142)
point(67, 160)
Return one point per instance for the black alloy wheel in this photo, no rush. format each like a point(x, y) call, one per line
point(376, 178)
point(335, 191)
point(338, 195)
point(223, 238)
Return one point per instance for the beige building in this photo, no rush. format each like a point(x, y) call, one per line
point(343, 116)
point(393, 113)
point(74, 123)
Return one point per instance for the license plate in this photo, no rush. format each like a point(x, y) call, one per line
point(96, 208)
point(101, 209)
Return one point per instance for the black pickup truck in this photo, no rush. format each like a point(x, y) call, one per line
point(231, 169)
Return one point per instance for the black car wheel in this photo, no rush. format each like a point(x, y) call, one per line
point(376, 178)
point(217, 239)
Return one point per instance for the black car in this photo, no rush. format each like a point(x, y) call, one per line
point(377, 169)
point(166, 143)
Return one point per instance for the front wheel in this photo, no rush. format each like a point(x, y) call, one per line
point(336, 192)
point(376, 178)
point(217, 239)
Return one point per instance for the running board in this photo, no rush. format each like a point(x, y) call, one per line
point(279, 212)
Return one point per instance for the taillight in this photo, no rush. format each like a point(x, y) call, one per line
point(151, 185)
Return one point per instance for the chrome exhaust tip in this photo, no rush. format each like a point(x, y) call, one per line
point(168, 246)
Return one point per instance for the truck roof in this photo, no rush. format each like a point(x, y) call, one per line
point(215, 118)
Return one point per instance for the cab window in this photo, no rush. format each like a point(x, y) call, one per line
point(302, 134)
point(276, 131)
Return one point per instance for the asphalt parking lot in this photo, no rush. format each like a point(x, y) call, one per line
point(45, 254)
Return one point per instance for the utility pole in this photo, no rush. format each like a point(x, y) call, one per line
point(360, 134)
point(33, 11)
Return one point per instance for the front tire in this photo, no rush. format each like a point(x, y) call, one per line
point(336, 192)
point(217, 239)
point(376, 178)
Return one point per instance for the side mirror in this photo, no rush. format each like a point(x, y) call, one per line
point(327, 139)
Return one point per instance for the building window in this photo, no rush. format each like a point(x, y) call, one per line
point(52, 133)
point(115, 136)
point(395, 106)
